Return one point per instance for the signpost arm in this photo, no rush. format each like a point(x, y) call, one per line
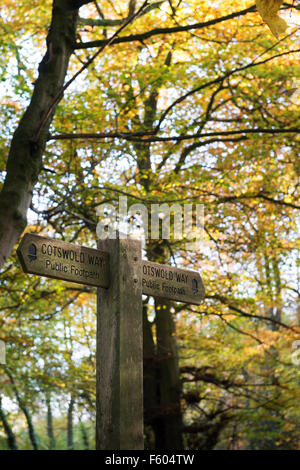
point(119, 402)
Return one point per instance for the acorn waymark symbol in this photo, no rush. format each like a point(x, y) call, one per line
point(194, 286)
point(32, 252)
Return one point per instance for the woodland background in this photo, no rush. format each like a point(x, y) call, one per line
point(192, 102)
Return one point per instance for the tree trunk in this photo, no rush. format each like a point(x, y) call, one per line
point(70, 436)
point(23, 407)
point(85, 437)
point(50, 432)
point(29, 140)
point(167, 416)
point(11, 438)
point(162, 378)
point(149, 374)
point(168, 426)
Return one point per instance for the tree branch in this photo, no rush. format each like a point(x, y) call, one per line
point(117, 22)
point(227, 302)
point(142, 136)
point(137, 136)
point(59, 95)
point(218, 80)
point(79, 3)
point(159, 31)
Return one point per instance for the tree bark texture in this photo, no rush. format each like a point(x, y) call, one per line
point(29, 140)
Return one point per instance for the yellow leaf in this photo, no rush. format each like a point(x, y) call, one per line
point(268, 10)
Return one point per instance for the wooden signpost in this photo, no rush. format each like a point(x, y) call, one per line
point(121, 276)
point(168, 282)
point(61, 260)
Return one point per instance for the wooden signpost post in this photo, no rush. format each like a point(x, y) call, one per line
point(121, 276)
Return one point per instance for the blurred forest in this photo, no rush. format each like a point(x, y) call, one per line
point(186, 102)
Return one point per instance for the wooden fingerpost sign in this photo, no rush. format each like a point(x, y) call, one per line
point(61, 260)
point(121, 276)
point(120, 350)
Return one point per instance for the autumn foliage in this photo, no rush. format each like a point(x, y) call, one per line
point(192, 102)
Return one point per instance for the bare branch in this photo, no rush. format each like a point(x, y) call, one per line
point(238, 310)
point(143, 136)
point(161, 31)
point(116, 22)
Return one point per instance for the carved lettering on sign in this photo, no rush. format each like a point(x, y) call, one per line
point(60, 260)
point(172, 283)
